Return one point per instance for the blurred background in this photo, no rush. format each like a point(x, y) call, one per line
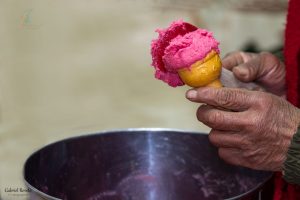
point(72, 67)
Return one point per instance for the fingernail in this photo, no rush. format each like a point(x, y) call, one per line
point(243, 71)
point(191, 94)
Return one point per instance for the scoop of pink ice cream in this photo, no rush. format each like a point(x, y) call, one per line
point(185, 50)
point(179, 46)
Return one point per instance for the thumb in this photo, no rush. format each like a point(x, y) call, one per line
point(246, 72)
point(265, 68)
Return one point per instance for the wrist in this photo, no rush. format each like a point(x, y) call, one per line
point(291, 167)
point(295, 118)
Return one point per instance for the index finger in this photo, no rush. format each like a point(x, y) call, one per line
point(234, 59)
point(228, 98)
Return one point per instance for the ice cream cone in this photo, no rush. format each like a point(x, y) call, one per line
point(205, 72)
point(184, 54)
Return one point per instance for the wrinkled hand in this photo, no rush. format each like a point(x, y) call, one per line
point(254, 131)
point(264, 68)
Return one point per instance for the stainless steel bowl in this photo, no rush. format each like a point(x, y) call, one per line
point(138, 164)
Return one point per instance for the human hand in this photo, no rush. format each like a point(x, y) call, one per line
point(254, 131)
point(264, 68)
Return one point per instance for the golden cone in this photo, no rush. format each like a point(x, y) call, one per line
point(205, 72)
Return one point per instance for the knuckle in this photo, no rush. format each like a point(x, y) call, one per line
point(245, 143)
point(215, 118)
point(250, 157)
point(253, 124)
point(224, 98)
point(253, 119)
point(248, 154)
point(270, 58)
point(227, 98)
point(264, 100)
point(248, 123)
point(252, 161)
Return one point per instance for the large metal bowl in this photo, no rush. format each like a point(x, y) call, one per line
point(138, 164)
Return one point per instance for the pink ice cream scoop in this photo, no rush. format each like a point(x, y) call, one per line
point(178, 48)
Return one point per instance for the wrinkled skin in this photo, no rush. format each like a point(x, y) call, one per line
point(264, 68)
point(250, 128)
